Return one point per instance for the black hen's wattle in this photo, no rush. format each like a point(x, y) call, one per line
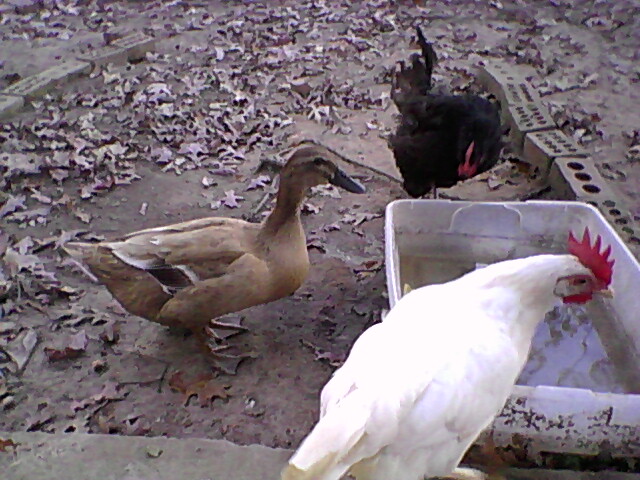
point(435, 131)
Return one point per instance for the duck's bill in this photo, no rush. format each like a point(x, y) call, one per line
point(342, 180)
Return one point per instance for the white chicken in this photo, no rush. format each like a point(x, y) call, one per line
point(418, 388)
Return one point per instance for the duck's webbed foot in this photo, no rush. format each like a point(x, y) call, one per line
point(225, 327)
point(224, 356)
point(227, 358)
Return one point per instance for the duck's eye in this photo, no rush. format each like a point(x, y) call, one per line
point(318, 161)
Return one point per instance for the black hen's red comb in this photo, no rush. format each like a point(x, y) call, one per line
point(591, 257)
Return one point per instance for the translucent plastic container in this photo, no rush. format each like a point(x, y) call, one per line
point(579, 388)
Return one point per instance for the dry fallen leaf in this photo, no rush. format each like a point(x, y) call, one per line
point(206, 391)
point(177, 383)
point(259, 182)
point(75, 348)
point(368, 269)
point(82, 215)
point(5, 444)
point(204, 386)
point(108, 392)
point(111, 332)
point(21, 348)
point(39, 420)
point(231, 200)
point(309, 208)
point(359, 218)
point(12, 204)
point(335, 359)
point(317, 243)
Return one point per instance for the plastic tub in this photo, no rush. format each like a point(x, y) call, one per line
point(578, 392)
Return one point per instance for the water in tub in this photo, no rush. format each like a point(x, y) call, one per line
point(567, 348)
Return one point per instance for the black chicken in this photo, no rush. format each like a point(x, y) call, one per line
point(441, 139)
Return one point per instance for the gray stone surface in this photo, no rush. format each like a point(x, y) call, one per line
point(25, 6)
point(504, 182)
point(110, 457)
point(77, 456)
point(40, 83)
point(136, 45)
point(520, 474)
point(10, 104)
point(104, 55)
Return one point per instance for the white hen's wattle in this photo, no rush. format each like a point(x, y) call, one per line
point(418, 388)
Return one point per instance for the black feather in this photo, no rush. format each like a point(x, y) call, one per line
point(435, 131)
point(171, 278)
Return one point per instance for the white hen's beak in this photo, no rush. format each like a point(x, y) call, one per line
point(607, 292)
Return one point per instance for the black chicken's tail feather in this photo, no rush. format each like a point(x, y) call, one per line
point(429, 56)
point(414, 80)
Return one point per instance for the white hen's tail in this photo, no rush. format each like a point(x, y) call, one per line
point(324, 454)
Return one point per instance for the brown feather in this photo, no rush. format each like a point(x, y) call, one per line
point(192, 272)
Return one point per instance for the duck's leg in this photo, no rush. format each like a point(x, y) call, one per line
point(223, 357)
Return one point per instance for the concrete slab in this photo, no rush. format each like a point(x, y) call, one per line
point(80, 456)
point(504, 182)
point(9, 105)
point(136, 45)
point(40, 83)
point(104, 55)
point(111, 457)
point(521, 474)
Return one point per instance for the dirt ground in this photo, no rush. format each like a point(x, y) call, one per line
point(177, 136)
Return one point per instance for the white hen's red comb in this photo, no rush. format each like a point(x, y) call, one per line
point(591, 257)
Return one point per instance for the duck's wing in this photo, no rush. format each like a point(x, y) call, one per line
point(178, 256)
point(245, 283)
point(182, 227)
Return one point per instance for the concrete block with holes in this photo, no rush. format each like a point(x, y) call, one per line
point(523, 118)
point(499, 80)
point(541, 148)
point(521, 107)
point(577, 178)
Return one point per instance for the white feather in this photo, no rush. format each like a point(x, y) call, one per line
point(417, 389)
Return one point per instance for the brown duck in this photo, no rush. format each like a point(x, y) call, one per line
point(190, 273)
